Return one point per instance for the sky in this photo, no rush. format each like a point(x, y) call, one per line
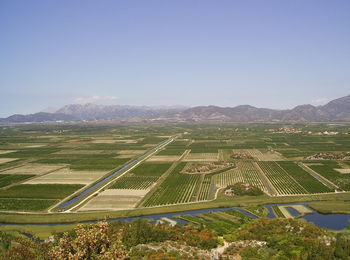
point(271, 53)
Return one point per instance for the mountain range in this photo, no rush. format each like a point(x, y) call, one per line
point(335, 110)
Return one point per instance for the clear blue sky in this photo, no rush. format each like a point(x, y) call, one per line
point(269, 53)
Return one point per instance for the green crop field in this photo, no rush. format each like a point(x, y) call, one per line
point(25, 204)
point(134, 182)
point(151, 169)
point(177, 188)
point(8, 179)
point(40, 191)
point(327, 170)
point(34, 157)
point(281, 180)
point(304, 178)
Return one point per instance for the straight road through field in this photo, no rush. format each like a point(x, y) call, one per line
point(91, 191)
point(319, 177)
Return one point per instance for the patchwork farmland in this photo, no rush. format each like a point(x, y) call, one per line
point(47, 165)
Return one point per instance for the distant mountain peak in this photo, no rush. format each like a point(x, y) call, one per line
point(335, 110)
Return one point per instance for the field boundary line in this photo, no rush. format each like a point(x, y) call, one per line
point(31, 178)
point(320, 178)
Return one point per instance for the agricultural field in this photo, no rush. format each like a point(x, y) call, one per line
point(115, 199)
point(223, 222)
point(333, 171)
point(47, 164)
point(8, 179)
point(284, 183)
point(68, 176)
point(245, 172)
point(201, 157)
point(303, 178)
point(176, 188)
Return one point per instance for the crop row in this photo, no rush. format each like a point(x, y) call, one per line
point(304, 178)
point(280, 179)
point(176, 188)
point(207, 188)
point(7, 179)
point(134, 182)
point(245, 172)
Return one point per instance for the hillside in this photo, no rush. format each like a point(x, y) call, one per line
point(335, 110)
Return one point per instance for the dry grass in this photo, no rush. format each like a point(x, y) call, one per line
point(6, 160)
point(113, 141)
point(164, 158)
point(7, 151)
point(34, 168)
point(115, 199)
point(201, 157)
point(68, 176)
point(285, 212)
point(79, 152)
point(343, 171)
point(265, 155)
point(34, 145)
point(106, 141)
point(129, 153)
point(132, 152)
point(301, 209)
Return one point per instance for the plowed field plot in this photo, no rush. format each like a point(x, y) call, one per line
point(115, 199)
point(265, 155)
point(33, 169)
point(79, 152)
point(244, 172)
point(110, 141)
point(201, 157)
point(164, 158)
point(68, 176)
point(6, 160)
point(129, 153)
point(281, 180)
point(343, 171)
point(7, 151)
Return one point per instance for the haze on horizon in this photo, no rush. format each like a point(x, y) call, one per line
point(275, 54)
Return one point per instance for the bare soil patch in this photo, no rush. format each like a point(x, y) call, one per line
point(34, 168)
point(164, 158)
point(79, 152)
point(6, 160)
point(264, 155)
point(7, 151)
point(68, 176)
point(115, 200)
point(201, 157)
point(129, 153)
point(343, 171)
